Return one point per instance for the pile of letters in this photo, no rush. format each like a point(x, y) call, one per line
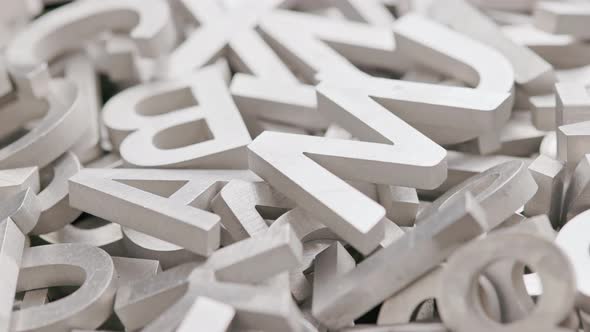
point(295, 165)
